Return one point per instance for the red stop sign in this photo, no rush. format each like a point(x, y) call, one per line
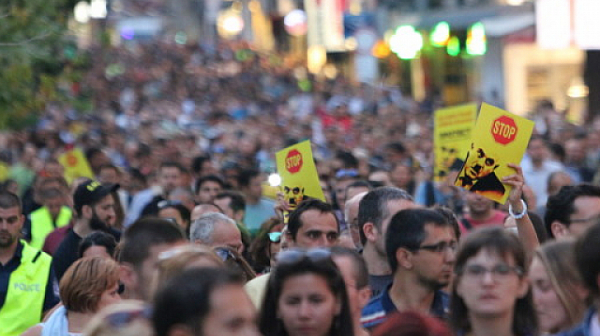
point(504, 130)
point(293, 161)
point(71, 160)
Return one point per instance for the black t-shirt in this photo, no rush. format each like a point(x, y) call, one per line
point(67, 252)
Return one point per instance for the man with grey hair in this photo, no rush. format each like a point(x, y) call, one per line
point(215, 229)
point(374, 213)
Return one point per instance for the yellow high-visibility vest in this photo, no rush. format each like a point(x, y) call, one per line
point(26, 292)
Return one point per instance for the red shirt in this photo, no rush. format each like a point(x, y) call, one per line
point(54, 239)
point(497, 218)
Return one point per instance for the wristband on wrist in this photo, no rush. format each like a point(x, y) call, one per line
point(519, 215)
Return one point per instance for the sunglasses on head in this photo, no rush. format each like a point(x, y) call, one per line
point(123, 318)
point(275, 237)
point(167, 203)
point(294, 256)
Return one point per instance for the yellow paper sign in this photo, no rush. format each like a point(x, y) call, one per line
point(499, 138)
point(452, 137)
point(76, 165)
point(4, 171)
point(299, 178)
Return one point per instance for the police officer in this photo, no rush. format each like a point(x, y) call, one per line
point(28, 285)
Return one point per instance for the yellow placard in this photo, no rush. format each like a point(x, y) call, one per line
point(76, 165)
point(4, 171)
point(452, 137)
point(299, 177)
point(499, 138)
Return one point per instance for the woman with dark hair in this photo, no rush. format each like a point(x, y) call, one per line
point(491, 293)
point(176, 212)
point(266, 245)
point(306, 296)
point(98, 243)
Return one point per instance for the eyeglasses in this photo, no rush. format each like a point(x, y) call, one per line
point(225, 254)
point(440, 247)
point(585, 220)
point(167, 203)
point(275, 237)
point(498, 271)
point(294, 256)
point(123, 318)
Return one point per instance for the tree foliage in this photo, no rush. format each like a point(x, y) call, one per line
point(33, 37)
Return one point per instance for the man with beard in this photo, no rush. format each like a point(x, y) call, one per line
point(420, 246)
point(94, 206)
point(28, 287)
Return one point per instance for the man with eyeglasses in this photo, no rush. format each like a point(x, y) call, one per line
point(215, 229)
point(420, 246)
point(28, 286)
point(572, 210)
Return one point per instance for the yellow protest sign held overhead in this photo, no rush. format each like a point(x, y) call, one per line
point(4, 171)
point(75, 164)
point(452, 137)
point(499, 138)
point(299, 177)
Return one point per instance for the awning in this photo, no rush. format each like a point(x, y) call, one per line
point(498, 20)
point(507, 24)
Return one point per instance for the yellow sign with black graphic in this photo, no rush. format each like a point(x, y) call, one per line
point(299, 177)
point(451, 137)
point(499, 138)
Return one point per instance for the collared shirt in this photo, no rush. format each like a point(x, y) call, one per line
point(381, 306)
point(585, 328)
point(51, 297)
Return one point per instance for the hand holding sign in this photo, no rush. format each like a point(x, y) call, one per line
point(499, 139)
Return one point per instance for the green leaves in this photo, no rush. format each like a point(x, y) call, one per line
point(33, 37)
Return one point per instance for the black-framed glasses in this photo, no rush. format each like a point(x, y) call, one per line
point(440, 247)
point(585, 220)
point(225, 254)
point(275, 237)
point(297, 255)
point(123, 318)
point(498, 271)
point(167, 203)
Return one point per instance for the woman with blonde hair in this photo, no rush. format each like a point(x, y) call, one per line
point(126, 318)
point(88, 285)
point(558, 291)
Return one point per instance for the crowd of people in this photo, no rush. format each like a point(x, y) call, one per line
point(174, 235)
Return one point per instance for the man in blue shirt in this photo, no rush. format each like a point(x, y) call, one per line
point(258, 209)
point(420, 246)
